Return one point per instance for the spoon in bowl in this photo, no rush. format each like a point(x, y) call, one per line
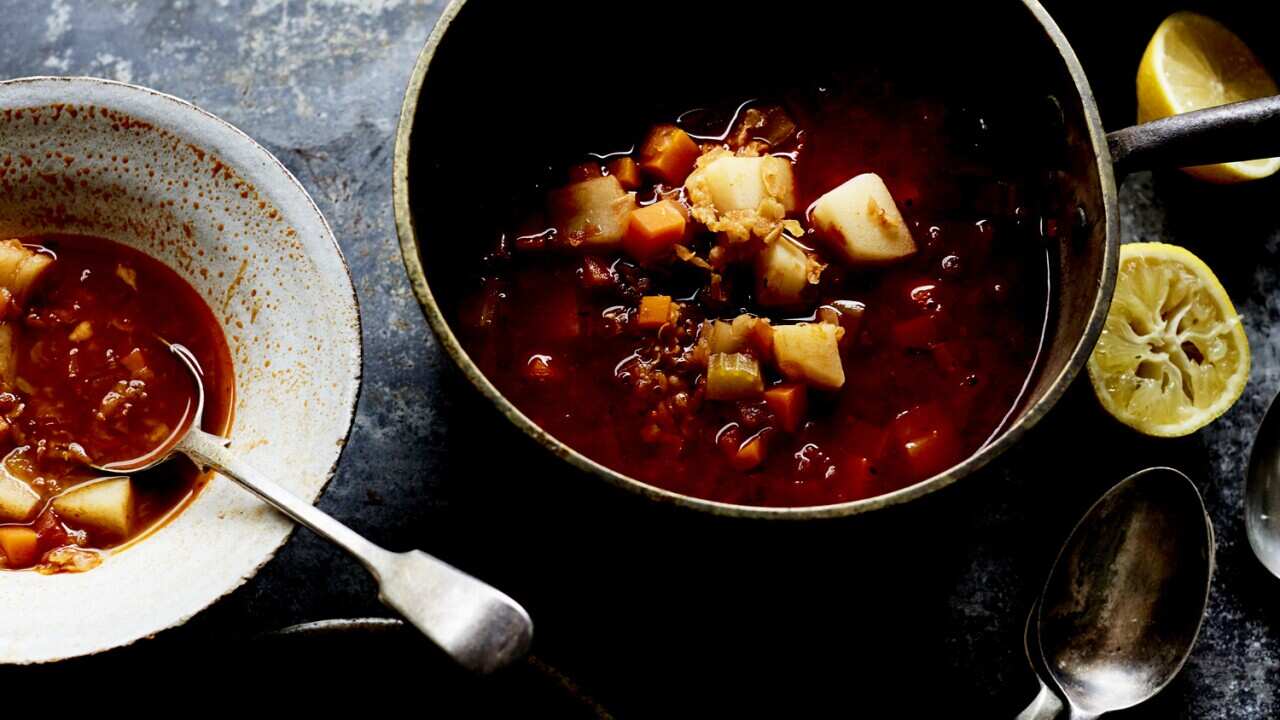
point(1124, 602)
point(479, 626)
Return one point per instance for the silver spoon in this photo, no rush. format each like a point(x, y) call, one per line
point(1262, 491)
point(478, 625)
point(1126, 596)
point(1046, 704)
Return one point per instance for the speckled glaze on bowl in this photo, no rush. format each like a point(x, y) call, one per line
point(95, 157)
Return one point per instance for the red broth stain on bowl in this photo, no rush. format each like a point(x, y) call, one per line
point(104, 159)
point(44, 176)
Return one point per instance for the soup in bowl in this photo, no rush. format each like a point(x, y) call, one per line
point(130, 219)
point(783, 273)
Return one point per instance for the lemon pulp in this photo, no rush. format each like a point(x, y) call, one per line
point(1173, 355)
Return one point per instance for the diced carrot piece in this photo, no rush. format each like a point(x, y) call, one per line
point(749, 454)
point(585, 171)
point(653, 231)
point(19, 545)
point(627, 171)
point(655, 311)
point(788, 403)
point(668, 154)
point(918, 332)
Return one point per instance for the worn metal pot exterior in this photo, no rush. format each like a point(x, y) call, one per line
point(97, 157)
point(487, 64)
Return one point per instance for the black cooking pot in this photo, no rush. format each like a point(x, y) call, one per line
point(502, 88)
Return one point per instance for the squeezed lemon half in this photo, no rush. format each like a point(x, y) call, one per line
point(1194, 62)
point(1173, 355)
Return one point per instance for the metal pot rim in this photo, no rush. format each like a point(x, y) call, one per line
point(410, 254)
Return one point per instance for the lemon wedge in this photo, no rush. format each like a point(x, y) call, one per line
point(1173, 355)
point(1194, 62)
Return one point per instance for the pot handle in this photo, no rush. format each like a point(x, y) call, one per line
point(1227, 133)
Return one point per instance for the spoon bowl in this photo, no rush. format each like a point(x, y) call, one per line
point(1125, 599)
point(190, 419)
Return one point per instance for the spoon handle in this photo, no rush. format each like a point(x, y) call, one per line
point(478, 625)
point(1045, 706)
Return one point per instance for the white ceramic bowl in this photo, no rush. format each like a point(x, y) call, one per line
point(94, 157)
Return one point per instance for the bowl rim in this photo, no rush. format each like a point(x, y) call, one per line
point(268, 552)
point(410, 254)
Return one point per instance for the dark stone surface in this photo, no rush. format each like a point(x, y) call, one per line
point(652, 611)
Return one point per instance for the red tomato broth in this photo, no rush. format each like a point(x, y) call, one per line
point(939, 361)
point(79, 392)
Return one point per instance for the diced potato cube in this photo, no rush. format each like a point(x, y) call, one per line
point(18, 500)
point(861, 222)
point(742, 196)
point(744, 183)
point(591, 214)
point(733, 376)
point(783, 272)
point(105, 505)
point(20, 268)
point(810, 353)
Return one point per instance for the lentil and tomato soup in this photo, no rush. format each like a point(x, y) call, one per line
point(86, 376)
point(789, 303)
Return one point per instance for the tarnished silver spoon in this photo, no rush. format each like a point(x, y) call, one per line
point(1262, 491)
point(1046, 703)
point(1124, 602)
point(479, 626)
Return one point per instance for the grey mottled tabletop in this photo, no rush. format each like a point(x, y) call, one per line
point(922, 607)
